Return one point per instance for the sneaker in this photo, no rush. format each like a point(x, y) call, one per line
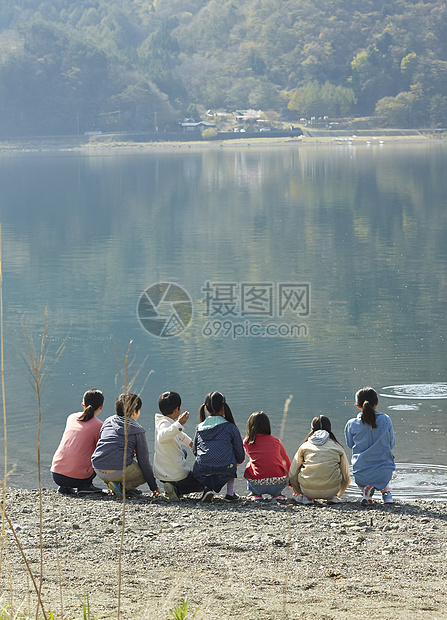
point(367, 494)
point(387, 498)
point(334, 500)
point(207, 496)
point(170, 492)
point(277, 498)
point(255, 497)
point(66, 491)
point(231, 498)
point(304, 500)
point(116, 487)
point(133, 493)
point(89, 489)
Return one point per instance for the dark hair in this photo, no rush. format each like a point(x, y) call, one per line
point(169, 402)
point(367, 399)
point(93, 400)
point(258, 422)
point(126, 404)
point(321, 423)
point(214, 401)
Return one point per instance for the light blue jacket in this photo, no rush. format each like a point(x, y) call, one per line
point(372, 459)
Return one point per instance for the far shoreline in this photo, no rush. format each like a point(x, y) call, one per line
point(106, 142)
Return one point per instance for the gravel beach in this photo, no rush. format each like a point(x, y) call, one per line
point(251, 560)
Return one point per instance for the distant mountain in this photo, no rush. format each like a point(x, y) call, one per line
point(68, 66)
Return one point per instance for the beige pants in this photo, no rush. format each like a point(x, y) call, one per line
point(134, 476)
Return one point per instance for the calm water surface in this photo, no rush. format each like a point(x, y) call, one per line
point(364, 226)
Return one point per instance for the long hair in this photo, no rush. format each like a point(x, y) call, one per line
point(214, 401)
point(93, 400)
point(258, 422)
point(367, 399)
point(321, 423)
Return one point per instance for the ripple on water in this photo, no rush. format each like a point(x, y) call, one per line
point(413, 481)
point(411, 407)
point(416, 390)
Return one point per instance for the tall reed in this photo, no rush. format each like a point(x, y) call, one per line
point(5, 516)
point(289, 518)
point(39, 368)
point(128, 386)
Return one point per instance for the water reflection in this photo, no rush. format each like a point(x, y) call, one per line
point(87, 234)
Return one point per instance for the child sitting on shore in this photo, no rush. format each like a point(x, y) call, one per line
point(72, 467)
point(218, 448)
point(170, 464)
point(371, 437)
point(121, 438)
point(320, 468)
point(268, 468)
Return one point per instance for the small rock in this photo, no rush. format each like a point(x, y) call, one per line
point(360, 538)
point(76, 526)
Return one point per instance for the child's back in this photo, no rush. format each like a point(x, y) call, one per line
point(217, 444)
point(371, 437)
point(170, 465)
point(169, 456)
point(320, 468)
point(267, 470)
point(217, 447)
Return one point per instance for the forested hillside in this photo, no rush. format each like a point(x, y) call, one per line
point(69, 66)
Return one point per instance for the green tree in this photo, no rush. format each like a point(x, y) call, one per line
point(314, 99)
point(438, 111)
point(395, 111)
point(210, 133)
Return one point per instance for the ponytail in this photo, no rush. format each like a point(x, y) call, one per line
point(367, 399)
point(228, 415)
point(214, 401)
point(202, 413)
point(92, 401)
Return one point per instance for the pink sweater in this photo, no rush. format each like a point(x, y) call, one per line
point(73, 456)
point(268, 458)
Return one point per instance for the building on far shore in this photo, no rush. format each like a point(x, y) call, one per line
point(190, 124)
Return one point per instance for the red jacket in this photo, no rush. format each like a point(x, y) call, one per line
point(268, 458)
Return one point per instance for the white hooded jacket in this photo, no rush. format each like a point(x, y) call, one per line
point(169, 459)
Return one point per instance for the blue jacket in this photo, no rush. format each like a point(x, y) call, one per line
point(372, 459)
point(217, 447)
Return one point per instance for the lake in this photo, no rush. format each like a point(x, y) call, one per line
point(262, 272)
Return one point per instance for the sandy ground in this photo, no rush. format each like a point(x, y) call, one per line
point(251, 560)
